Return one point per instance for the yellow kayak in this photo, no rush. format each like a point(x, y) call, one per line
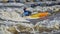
point(39, 15)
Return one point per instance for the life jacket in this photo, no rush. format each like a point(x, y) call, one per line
point(26, 13)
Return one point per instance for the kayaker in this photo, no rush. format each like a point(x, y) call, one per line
point(26, 12)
